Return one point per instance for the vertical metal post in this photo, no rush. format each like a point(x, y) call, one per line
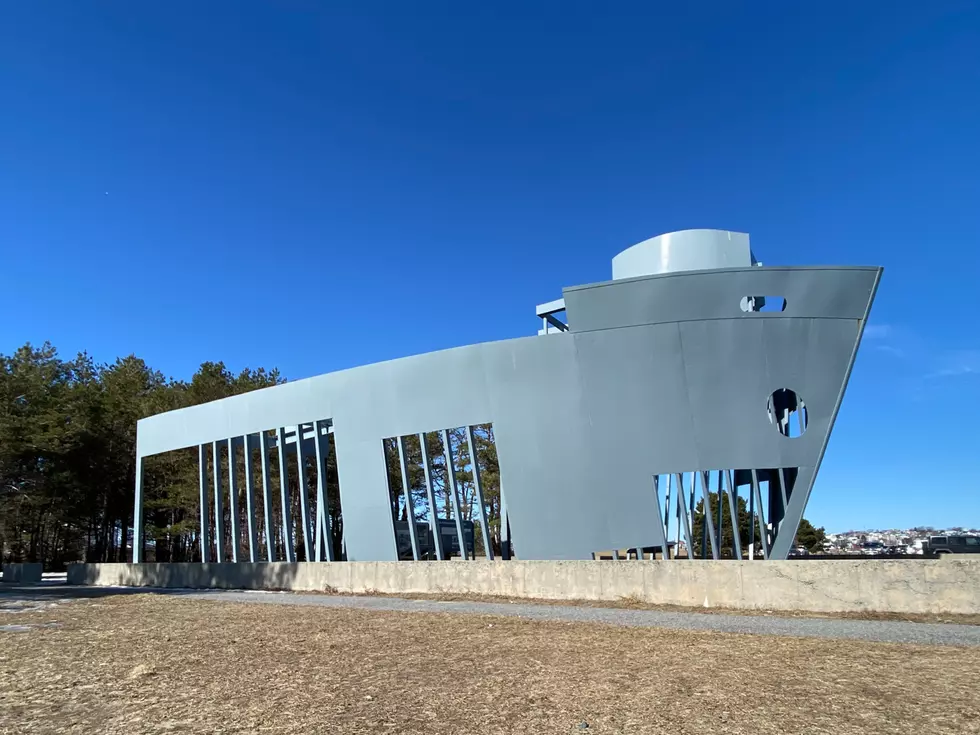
point(782, 495)
point(219, 509)
point(800, 408)
point(684, 518)
point(706, 495)
point(762, 520)
point(253, 551)
point(233, 500)
point(202, 458)
point(270, 539)
point(137, 514)
point(430, 494)
point(663, 524)
point(721, 515)
point(454, 492)
point(304, 493)
point(677, 506)
point(752, 517)
point(732, 493)
point(318, 533)
point(656, 486)
point(477, 485)
point(693, 507)
point(322, 509)
point(287, 515)
point(409, 505)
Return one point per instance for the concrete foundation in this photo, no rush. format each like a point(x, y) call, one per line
point(22, 573)
point(932, 586)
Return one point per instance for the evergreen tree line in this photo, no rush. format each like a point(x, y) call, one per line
point(68, 449)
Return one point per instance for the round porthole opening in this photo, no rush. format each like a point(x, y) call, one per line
point(787, 412)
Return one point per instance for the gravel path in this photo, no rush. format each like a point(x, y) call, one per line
point(12, 598)
point(866, 630)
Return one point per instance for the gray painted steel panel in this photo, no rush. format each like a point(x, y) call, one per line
point(659, 374)
point(686, 250)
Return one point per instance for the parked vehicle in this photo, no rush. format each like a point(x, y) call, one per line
point(952, 545)
point(872, 548)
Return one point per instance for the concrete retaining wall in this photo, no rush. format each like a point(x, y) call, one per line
point(22, 573)
point(940, 586)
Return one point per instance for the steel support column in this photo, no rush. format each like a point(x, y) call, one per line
point(683, 517)
point(202, 458)
point(287, 515)
point(137, 514)
point(322, 447)
point(304, 493)
point(721, 513)
point(732, 492)
point(233, 500)
point(757, 494)
point(409, 505)
point(219, 508)
point(253, 551)
point(706, 495)
point(430, 494)
point(454, 493)
point(270, 539)
point(477, 485)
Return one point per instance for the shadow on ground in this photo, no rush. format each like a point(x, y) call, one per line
point(62, 591)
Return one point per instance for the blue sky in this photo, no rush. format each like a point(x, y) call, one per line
point(315, 186)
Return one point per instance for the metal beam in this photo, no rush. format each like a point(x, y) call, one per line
point(732, 494)
point(202, 458)
point(233, 500)
point(757, 494)
point(409, 505)
point(322, 446)
point(683, 518)
point(253, 551)
point(454, 492)
point(270, 539)
point(137, 514)
point(287, 515)
point(721, 514)
point(477, 485)
point(706, 495)
point(556, 323)
point(782, 495)
point(664, 541)
point(304, 496)
point(430, 494)
point(219, 509)
point(552, 307)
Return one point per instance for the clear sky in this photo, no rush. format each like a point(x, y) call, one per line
point(315, 186)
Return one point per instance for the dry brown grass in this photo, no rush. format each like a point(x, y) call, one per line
point(156, 664)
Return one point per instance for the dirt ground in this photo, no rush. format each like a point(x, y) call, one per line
point(165, 664)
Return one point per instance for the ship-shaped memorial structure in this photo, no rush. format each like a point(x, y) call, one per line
point(695, 373)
